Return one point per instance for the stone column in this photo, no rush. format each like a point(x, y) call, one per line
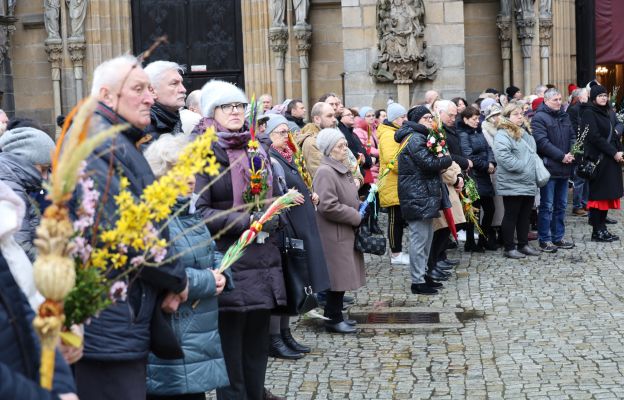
point(303, 34)
point(545, 34)
point(504, 35)
point(54, 48)
point(278, 40)
point(525, 26)
point(77, 47)
point(7, 28)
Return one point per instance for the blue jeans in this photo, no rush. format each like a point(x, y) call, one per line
point(551, 211)
point(581, 192)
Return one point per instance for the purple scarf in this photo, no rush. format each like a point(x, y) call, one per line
point(235, 144)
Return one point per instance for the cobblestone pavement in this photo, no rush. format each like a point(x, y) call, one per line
point(547, 327)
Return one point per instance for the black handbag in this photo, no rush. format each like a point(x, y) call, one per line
point(367, 242)
point(588, 169)
point(300, 297)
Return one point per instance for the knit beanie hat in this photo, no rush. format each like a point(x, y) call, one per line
point(593, 92)
point(416, 113)
point(511, 91)
point(365, 110)
point(216, 93)
point(327, 139)
point(536, 103)
point(485, 104)
point(493, 110)
point(29, 144)
point(274, 121)
point(394, 111)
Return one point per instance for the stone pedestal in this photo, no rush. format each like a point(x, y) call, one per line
point(504, 35)
point(525, 34)
point(403, 71)
point(7, 101)
point(545, 35)
point(77, 47)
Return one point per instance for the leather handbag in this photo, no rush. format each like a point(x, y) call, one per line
point(588, 169)
point(367, 242)
point(300, 297)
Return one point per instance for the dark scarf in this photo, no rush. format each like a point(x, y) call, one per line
point(235, 144)
point(287, 154)
point(165, 120)
point(298, 121)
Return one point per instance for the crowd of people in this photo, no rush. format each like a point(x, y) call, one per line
point(521, 154)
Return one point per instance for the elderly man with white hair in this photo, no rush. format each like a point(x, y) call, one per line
point(169, 95)
point(118, 340)
point(191, 115)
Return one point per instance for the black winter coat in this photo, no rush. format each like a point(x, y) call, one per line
point(257, 275)
point(454, 146)
point(554, 136)
point(475, 147)
point(303, 219)
point(608, 183)
point(575, 112)
point(420, 185)
point(19, 348)
point(22, 176)
point(122, 331)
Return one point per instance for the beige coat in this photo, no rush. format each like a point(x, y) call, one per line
point(449, 177)
point(337, 218)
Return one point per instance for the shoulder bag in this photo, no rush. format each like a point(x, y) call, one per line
point(300, 297)
point(588, 169)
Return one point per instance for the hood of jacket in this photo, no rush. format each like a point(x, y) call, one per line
point(407, 129)
point(16, 171)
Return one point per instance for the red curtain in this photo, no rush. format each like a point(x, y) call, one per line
point(609, 31)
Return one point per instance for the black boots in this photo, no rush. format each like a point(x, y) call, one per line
point(290, 341)
point(470, 245)
point(603, 235)
point(491, 243)
point(279, 349)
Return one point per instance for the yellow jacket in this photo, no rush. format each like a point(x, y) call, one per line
point(388, 189)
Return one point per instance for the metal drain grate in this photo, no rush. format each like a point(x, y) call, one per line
point(396, 318)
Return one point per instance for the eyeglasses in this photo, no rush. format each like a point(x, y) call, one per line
point(429, 117)
point(229, 108)
point(282, 133)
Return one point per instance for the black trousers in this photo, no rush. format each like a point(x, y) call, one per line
point(438, 247)
point(245, 344)
point(516, 219)
point(333, 306)
point(189, 396)
point(487, 203)
point(597, 219)
point(111, 380)
point(396, 224)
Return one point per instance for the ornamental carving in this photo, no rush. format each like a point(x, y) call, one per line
point(303, 34)
point(504, 29)
point(278, 39)
point(76, 51)
point(54, 49)
point(402, 55)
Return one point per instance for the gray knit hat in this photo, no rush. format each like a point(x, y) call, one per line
point(274, 121)
point(216, 93)
point(327, 139)
point(29, 144)
point(394, 111)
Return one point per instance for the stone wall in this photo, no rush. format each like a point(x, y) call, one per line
point(32, 80)
point(484, 67)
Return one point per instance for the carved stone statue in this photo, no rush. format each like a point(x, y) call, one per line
point(401, 45)
point(505, 8)
point(77, 14)
point(301, 11)
point(545, 9)
point(278, 12)
point(52, 13)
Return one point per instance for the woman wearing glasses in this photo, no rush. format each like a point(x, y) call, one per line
point(244, 312)
point(301, 224)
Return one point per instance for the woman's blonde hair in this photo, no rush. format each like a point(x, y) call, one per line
point(163, 154)
point(504, 123)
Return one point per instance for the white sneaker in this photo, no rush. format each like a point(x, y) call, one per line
point(400, 259)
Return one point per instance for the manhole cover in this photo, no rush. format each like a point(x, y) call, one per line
point(396, 318)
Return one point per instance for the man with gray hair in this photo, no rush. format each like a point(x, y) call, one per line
point(119, 339)
point(540, 90)
point(191, 115)
point(554, 137)
point(169, 95)
point(447, 110)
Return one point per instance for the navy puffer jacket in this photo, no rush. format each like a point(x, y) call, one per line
point(476, 148)
point(196, 323)
point(122, 331)
point(554, 136)
point(420, 185)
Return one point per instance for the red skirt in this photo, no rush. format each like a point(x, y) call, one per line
point(604, 205)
